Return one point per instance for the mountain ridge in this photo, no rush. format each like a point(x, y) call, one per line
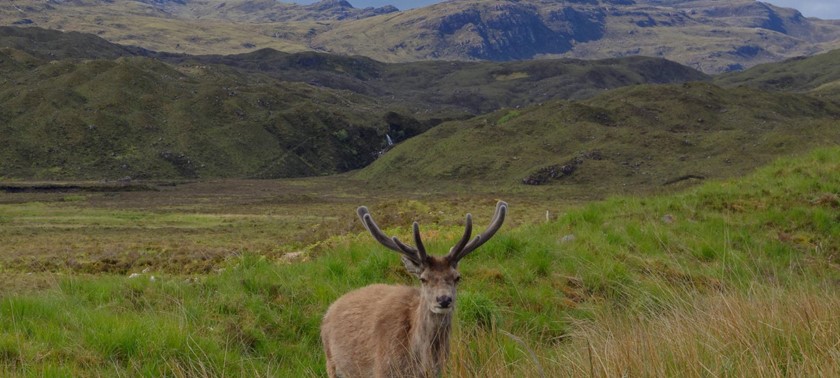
point(709, 35)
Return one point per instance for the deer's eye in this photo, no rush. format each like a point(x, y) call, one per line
point(423, 280)
point(457, 279)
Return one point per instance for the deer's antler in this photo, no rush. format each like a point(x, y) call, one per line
point(465, 245)
point(416, 255)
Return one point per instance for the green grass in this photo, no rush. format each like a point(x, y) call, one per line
point(138, 117)
point(816, 74)
point(192, 227)
point(732, 255)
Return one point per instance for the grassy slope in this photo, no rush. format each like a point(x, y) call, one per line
point(137, 117)
point(756, 258)
point(49, 44)
point(819, 75)
point(138, 24)
point(631, 139)
point(485, 87)
point(455, 87)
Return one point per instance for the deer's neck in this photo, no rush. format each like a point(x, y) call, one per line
point(430, 338)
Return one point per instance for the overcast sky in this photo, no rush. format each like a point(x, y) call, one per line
point(825, 9)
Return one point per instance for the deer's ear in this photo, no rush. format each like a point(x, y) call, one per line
point(412, 267)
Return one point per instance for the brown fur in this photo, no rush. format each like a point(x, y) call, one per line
point(390, 331)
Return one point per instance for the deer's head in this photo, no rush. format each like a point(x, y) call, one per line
point(438, 275)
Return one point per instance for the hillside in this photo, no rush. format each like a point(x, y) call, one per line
point(260, 11)
point(818, 75)
point(140, 118)
point(456, 87)
point(75, 106)
point(189, 26)
point(630, 139)
point(459, 87)
point(710, 35)
point(49, 45)
point(70, 111)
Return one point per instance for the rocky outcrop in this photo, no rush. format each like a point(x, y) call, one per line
point(546, 174)
point(503, 32)
point(697, 33)
point(512, 30)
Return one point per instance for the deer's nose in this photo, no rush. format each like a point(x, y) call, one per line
point(444, 301)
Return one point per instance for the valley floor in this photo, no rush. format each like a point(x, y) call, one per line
point(192, 227)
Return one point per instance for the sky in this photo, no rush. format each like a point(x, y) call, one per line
point(825, 9)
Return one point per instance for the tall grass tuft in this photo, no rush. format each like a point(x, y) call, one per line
point(768, 332)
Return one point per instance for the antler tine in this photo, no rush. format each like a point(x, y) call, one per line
point(421, 250)
point(495, 224)
point(391, 243)
point(374, 230)
point(464, 239)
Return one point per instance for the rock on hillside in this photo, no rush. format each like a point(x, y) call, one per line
point(275, 11)
point(710, 35)
point(470, 30)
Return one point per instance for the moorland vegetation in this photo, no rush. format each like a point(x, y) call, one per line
point(734, 277)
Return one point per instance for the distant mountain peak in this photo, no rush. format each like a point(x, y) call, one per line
point(386, 9)
point(330, 4)
point(343, 10)
point(164, 2)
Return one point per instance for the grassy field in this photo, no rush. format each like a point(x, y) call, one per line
point(730, 278)
point(192, 227)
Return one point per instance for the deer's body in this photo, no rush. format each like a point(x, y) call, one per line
point(399, 331)
point(381, 331)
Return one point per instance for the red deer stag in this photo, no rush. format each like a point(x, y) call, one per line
point(400, 331)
